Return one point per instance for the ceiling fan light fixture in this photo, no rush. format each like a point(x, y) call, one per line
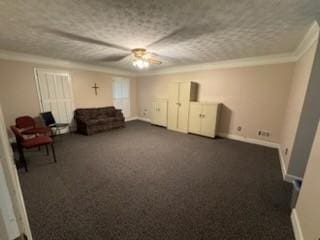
point(140, 63)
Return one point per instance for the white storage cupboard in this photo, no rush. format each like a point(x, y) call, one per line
point(203, 118)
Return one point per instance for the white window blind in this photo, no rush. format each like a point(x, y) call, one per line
point(121, 95)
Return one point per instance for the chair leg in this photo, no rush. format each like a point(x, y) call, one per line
point(47, 150)
point(23, 159)
point(53, 153)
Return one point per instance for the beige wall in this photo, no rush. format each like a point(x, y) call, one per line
point(308, 210)
point(300, 80)
point(18, 93)
point(253, 97)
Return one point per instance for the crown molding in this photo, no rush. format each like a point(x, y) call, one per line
point(241, 62)
point(23, 57)
point(308, 40)
point(306, 43)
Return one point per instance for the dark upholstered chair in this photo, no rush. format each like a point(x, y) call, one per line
point(27, 126)
point(92, 120)
point(33, 142)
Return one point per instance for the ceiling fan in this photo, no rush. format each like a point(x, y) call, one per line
point(143, 58)
point(140, 57)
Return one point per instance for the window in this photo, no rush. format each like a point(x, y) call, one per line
point(121, 95)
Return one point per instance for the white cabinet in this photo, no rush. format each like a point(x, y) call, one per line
point(180, 95)
point(159, 112)
point(203, 118)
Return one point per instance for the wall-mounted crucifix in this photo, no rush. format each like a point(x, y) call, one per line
point(95, 88)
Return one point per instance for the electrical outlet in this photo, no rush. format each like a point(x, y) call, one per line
point(239, 128)
point(263, 133)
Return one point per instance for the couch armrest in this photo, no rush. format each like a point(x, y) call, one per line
point(118, 113)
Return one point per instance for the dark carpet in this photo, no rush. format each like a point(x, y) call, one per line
point(145, 182)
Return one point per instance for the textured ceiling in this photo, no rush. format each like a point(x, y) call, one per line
point(181, 31)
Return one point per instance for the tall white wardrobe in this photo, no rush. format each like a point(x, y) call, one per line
point(180, 94)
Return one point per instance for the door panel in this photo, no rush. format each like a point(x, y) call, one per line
point(13, 216)
point(154, 113)
point(162, 113)
point(55, 94)
point(194, 118)
point(183, 111)
point(208, 121)
point(172, 106)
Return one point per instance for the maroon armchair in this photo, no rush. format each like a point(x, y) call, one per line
point(27, 126)
point(34, 142)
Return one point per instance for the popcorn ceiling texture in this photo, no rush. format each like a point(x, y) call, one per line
point(185, 31)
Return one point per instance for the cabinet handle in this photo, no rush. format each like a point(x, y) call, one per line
point(203, 115)
point(200, 115)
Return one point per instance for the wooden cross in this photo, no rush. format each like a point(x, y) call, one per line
point(95, 88)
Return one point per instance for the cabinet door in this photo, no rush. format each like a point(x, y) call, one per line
point(194, 118)
point(183, 112)
point(209, 120)
point(173, 106)
point(162, 106)
point(154, 112)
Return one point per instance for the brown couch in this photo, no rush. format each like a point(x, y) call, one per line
point(92, 120)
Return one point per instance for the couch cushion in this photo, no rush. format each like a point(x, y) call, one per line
point(108, 111)
point(94, 113)
point(99, 121)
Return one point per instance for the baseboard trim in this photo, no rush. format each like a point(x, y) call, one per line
point(296, 225)
point(131, 119)
point(143, 119)
point(286, 177)
point(249, 140)
point(282, 164)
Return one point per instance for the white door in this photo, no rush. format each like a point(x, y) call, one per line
point(184, 98)
point(173, 103)
point(55, 94)
point(159, 112)
point(195, 117)
point(155, 112)
point(13, 217)
point(163, 112)
point(121, 95)
point(209, 119)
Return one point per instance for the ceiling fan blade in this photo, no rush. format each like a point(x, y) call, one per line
point(114, 58)
point(154, 61)
point(186, 33)
point(79, 38)
point(169, 36)
point(174, 59)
